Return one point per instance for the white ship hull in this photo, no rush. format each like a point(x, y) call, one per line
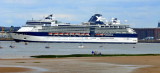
point(30, 38)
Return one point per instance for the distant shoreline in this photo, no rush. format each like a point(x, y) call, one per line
point(6, 39)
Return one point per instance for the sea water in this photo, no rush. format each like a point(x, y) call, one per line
point(22, 50)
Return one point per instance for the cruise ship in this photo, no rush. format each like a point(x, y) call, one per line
point(96, 30)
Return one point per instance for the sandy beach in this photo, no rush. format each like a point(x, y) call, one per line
point(14, 69)
point(123, 64)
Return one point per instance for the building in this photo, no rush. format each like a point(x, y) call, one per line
point(4, 35)
point(148, 33)
point(158, 24)
point(8, 29)
point(4, 32)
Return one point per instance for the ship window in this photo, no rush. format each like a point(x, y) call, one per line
point(103, 26)
point(121, 27)
point(56, 22)
point(127, 27)
point(63, 25)
point(37, 23)
point(46, 24)
point(107, 26)
point(115, 26)
point(111, 26)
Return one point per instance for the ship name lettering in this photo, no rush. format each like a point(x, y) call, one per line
point(108, 34)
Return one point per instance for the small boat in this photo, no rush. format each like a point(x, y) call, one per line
point(26, 43)
point(11, 46)
point(1, 47)
point(47, 47)
point(80, 46)
point(100, 46)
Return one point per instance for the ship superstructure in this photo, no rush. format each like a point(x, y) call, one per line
point(96, 30)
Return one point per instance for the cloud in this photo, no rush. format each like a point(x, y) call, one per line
point(23, 17)
point(43, 15)
point(20, 1)
point(137, 11)
point(9, 21)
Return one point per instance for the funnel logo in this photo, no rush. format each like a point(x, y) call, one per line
point(99, 18)
point(96, 19)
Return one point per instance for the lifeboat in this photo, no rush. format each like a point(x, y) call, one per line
point(99, 34)
point(72, 33)
point(60, 34)
point(55, 33)
point(66, 33)
point(82, 34)
point(86, 34)
point(50, 33)
point(78, 34)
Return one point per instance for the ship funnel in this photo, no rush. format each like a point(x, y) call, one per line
point(49, 17)
point(96, 19)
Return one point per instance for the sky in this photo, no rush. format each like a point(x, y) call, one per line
point(138, 13)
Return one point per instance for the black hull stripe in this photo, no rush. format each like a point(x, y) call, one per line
point(47, 34)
